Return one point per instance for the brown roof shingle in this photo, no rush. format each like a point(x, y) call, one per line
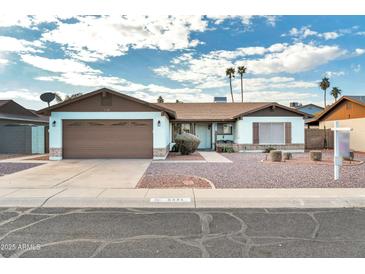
point(211, 111)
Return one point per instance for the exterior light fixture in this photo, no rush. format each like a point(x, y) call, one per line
point(158, 123)
point(54, 123)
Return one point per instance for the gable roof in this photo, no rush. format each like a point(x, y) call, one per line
point(356, 99)
point(47, 110)
point(12, 111)
point(309, 105)
point(219, 111)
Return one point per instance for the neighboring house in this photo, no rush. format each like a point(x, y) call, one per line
point(311, 109)
point(22, 131)
point(109, 124)
point(350, 112)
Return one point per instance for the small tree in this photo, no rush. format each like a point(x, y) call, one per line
point(160, 99)
point(230, 73)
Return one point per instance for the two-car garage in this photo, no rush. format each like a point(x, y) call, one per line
point(107, 139)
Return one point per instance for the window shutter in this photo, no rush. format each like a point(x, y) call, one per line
point(288, 133)
point(255, 132)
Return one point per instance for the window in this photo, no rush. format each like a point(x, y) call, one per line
point(224, 129)
point(178, 128)
point(272, 133)
point(185, 128)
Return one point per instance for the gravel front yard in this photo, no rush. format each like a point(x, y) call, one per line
point(8, 168)
point(247, 171)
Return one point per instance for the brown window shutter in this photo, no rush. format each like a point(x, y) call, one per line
point(255, 131)
point(288, 133)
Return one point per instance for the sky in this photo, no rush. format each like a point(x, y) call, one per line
point(181, 57)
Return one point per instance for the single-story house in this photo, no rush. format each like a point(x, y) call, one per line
point(108, 124)
point(349, 111)
point(311, 109)
point(22, 131)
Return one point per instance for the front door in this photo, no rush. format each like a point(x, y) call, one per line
point(203, 131)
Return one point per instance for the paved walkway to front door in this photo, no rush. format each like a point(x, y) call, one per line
point(214, 157)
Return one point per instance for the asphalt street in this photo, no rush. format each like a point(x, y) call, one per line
point(108, 232)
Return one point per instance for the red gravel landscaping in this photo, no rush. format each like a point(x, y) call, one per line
point(248, 171)
point(173, 181)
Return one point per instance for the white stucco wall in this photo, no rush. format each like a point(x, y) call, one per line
point(38, 139)
point(160, 133)
point(244, 135)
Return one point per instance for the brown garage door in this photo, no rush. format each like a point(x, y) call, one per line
point(107, 139)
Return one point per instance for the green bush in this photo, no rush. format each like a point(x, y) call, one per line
point(187, 143)
point(228, 149)
point(269, 149)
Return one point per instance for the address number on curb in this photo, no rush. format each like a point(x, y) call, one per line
point(170, 200)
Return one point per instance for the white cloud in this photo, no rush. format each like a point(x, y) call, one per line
point(99, 37)
point(208, 70)
point(24, 94)
point(356, 68)
point(246, 20)
point(3, 61)
point(57, 65)
point(331, 74)
point(359, 51)
point(304, 32)
point(11, 44)
point(28, 21)
point(295, 58)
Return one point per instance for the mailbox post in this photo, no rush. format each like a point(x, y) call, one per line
point(341, 148)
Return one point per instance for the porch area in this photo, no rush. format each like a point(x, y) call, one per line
point(211, 134)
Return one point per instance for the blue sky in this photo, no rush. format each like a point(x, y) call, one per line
point(181, 57)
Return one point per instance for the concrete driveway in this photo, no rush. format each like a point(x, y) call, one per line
point(120, 173)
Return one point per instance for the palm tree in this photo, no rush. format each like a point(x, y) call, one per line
point(335, 92)
point(160, 99)
point(230, 73)
point(324, 85)
point(241, 70)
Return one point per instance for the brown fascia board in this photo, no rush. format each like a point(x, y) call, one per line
point(325, 112)
point(202, 120)
point(47, 110)
point(274, 105)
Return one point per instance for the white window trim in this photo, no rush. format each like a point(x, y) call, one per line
point(283, 123)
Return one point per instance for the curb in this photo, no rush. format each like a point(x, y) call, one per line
point(187, 198)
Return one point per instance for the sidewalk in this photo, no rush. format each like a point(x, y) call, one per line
point(183, 198)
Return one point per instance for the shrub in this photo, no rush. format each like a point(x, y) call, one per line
point(276, 155)
point(269, 149)
point(315, 155)
point(287, 155)
point(187, 143)
point(228, 149)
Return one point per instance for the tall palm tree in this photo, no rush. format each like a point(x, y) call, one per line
point(230, 73)
point(324, 85)
point(241, 70)
point(335, 92)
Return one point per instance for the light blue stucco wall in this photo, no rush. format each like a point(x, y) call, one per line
point(244, 133)
point(38, 139)
point(160, 133)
